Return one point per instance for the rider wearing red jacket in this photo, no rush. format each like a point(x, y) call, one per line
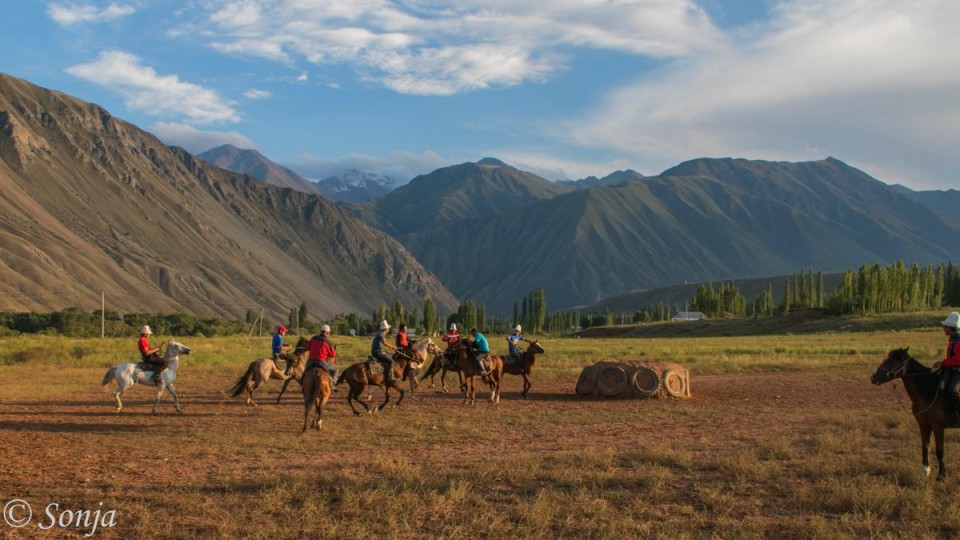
point(951, 363)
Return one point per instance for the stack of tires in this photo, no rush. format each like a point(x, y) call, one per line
point(634, 380)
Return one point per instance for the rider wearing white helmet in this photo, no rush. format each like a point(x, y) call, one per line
point(376, 351)
point(323, 354)
point(150, 355)
point(951, 364)
point(512, 340)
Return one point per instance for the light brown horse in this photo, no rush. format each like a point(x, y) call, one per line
point(370, 373)
point(264, 369)
point(929, 400)
point(419, 353)
point(525, 367)
point(316, 392)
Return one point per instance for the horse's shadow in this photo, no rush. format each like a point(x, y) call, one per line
point(71, 427)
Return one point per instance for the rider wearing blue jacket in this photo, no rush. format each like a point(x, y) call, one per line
point(482, 350)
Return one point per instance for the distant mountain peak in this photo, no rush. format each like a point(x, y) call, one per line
point(251, 162)
point(491, 162)
point(355, 186)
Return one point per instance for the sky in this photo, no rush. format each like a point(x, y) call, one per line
point(562, 88)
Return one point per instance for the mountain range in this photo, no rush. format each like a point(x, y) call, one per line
point(91, 204)
point(492, 233)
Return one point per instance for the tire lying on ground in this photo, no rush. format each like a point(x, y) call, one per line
point(634, 380)
point(587, 380)
point(612, 381)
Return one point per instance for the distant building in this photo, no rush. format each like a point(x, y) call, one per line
point(688, 316)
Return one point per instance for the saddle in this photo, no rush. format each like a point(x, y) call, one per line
point(147, 366)
point(374, 366)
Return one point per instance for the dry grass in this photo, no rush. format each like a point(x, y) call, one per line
point(784, 438)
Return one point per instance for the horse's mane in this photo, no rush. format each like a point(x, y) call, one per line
point(421, 345)
point(927, 380)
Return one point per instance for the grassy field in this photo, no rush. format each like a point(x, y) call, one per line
point(784, 437)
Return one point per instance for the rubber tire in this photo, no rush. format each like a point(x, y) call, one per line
point(644, 372)
point(675, 384)
point(587, 381)
point(612, 381)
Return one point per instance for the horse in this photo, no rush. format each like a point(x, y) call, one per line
point(443, 364)
point(525, 367)
point(463, 349)
point(130, 373)
point(928, 401)
point(264, 369)
point(370, 372)
point(294, 371)
point(419, 353)
point(316, 392)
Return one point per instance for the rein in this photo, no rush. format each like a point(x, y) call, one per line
point(904, 375)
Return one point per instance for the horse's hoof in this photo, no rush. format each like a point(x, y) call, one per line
point(356, 414)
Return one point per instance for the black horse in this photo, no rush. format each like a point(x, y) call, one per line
point(931, 405)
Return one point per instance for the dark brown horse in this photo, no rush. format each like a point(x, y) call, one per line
point(525, 367)
point(442, 363)
point(923, 387)
point(370, 372)
point(316, 392)
point(463, 352)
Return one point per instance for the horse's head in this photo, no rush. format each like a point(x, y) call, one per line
point(301, 346)
point(432, 347)
point(175, 348)
point(536, 348)
point(893, 367)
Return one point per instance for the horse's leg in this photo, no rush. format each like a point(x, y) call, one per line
point(925, 447)
point(526, 385)
point(284, 388)
point(354, 394)
point(160, 387)
point(938, 437)
point(176, 398)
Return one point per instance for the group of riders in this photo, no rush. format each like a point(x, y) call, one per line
point(323, 353)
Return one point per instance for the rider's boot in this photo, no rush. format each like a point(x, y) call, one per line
point(157, 374)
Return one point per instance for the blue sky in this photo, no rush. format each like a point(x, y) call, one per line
point(565, 89)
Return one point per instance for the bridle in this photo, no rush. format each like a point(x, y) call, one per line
point(901, 373)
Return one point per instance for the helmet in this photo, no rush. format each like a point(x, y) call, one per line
point(517, 328)
point(453, 327)
point(145, 330)
point(952, 320)
point(384, 325)
point(282, 328)
point(325, 328)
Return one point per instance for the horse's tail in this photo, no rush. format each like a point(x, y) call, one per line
point(111, 373)
point(343, 374)
point(241, 384)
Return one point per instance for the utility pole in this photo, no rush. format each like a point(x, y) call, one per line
point(102, 307)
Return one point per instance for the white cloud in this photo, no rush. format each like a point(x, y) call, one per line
point(400, 166)
point(71, 13)
point(863, 81)
point(440, 49)
point(196, 141)
point(144, 90)
point(254, 93)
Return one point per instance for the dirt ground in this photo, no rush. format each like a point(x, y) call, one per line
point(73, 449)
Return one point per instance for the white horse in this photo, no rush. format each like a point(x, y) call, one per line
point(129, 373)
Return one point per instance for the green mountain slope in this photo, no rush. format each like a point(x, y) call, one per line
point(704, 220)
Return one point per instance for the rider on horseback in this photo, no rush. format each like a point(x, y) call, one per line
point(951, 364)
point(481, 351)
point(279, 349)
point(516, 353)
point(376, 352)
point(323, 354)
point(450, 338)
point(150, 355)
